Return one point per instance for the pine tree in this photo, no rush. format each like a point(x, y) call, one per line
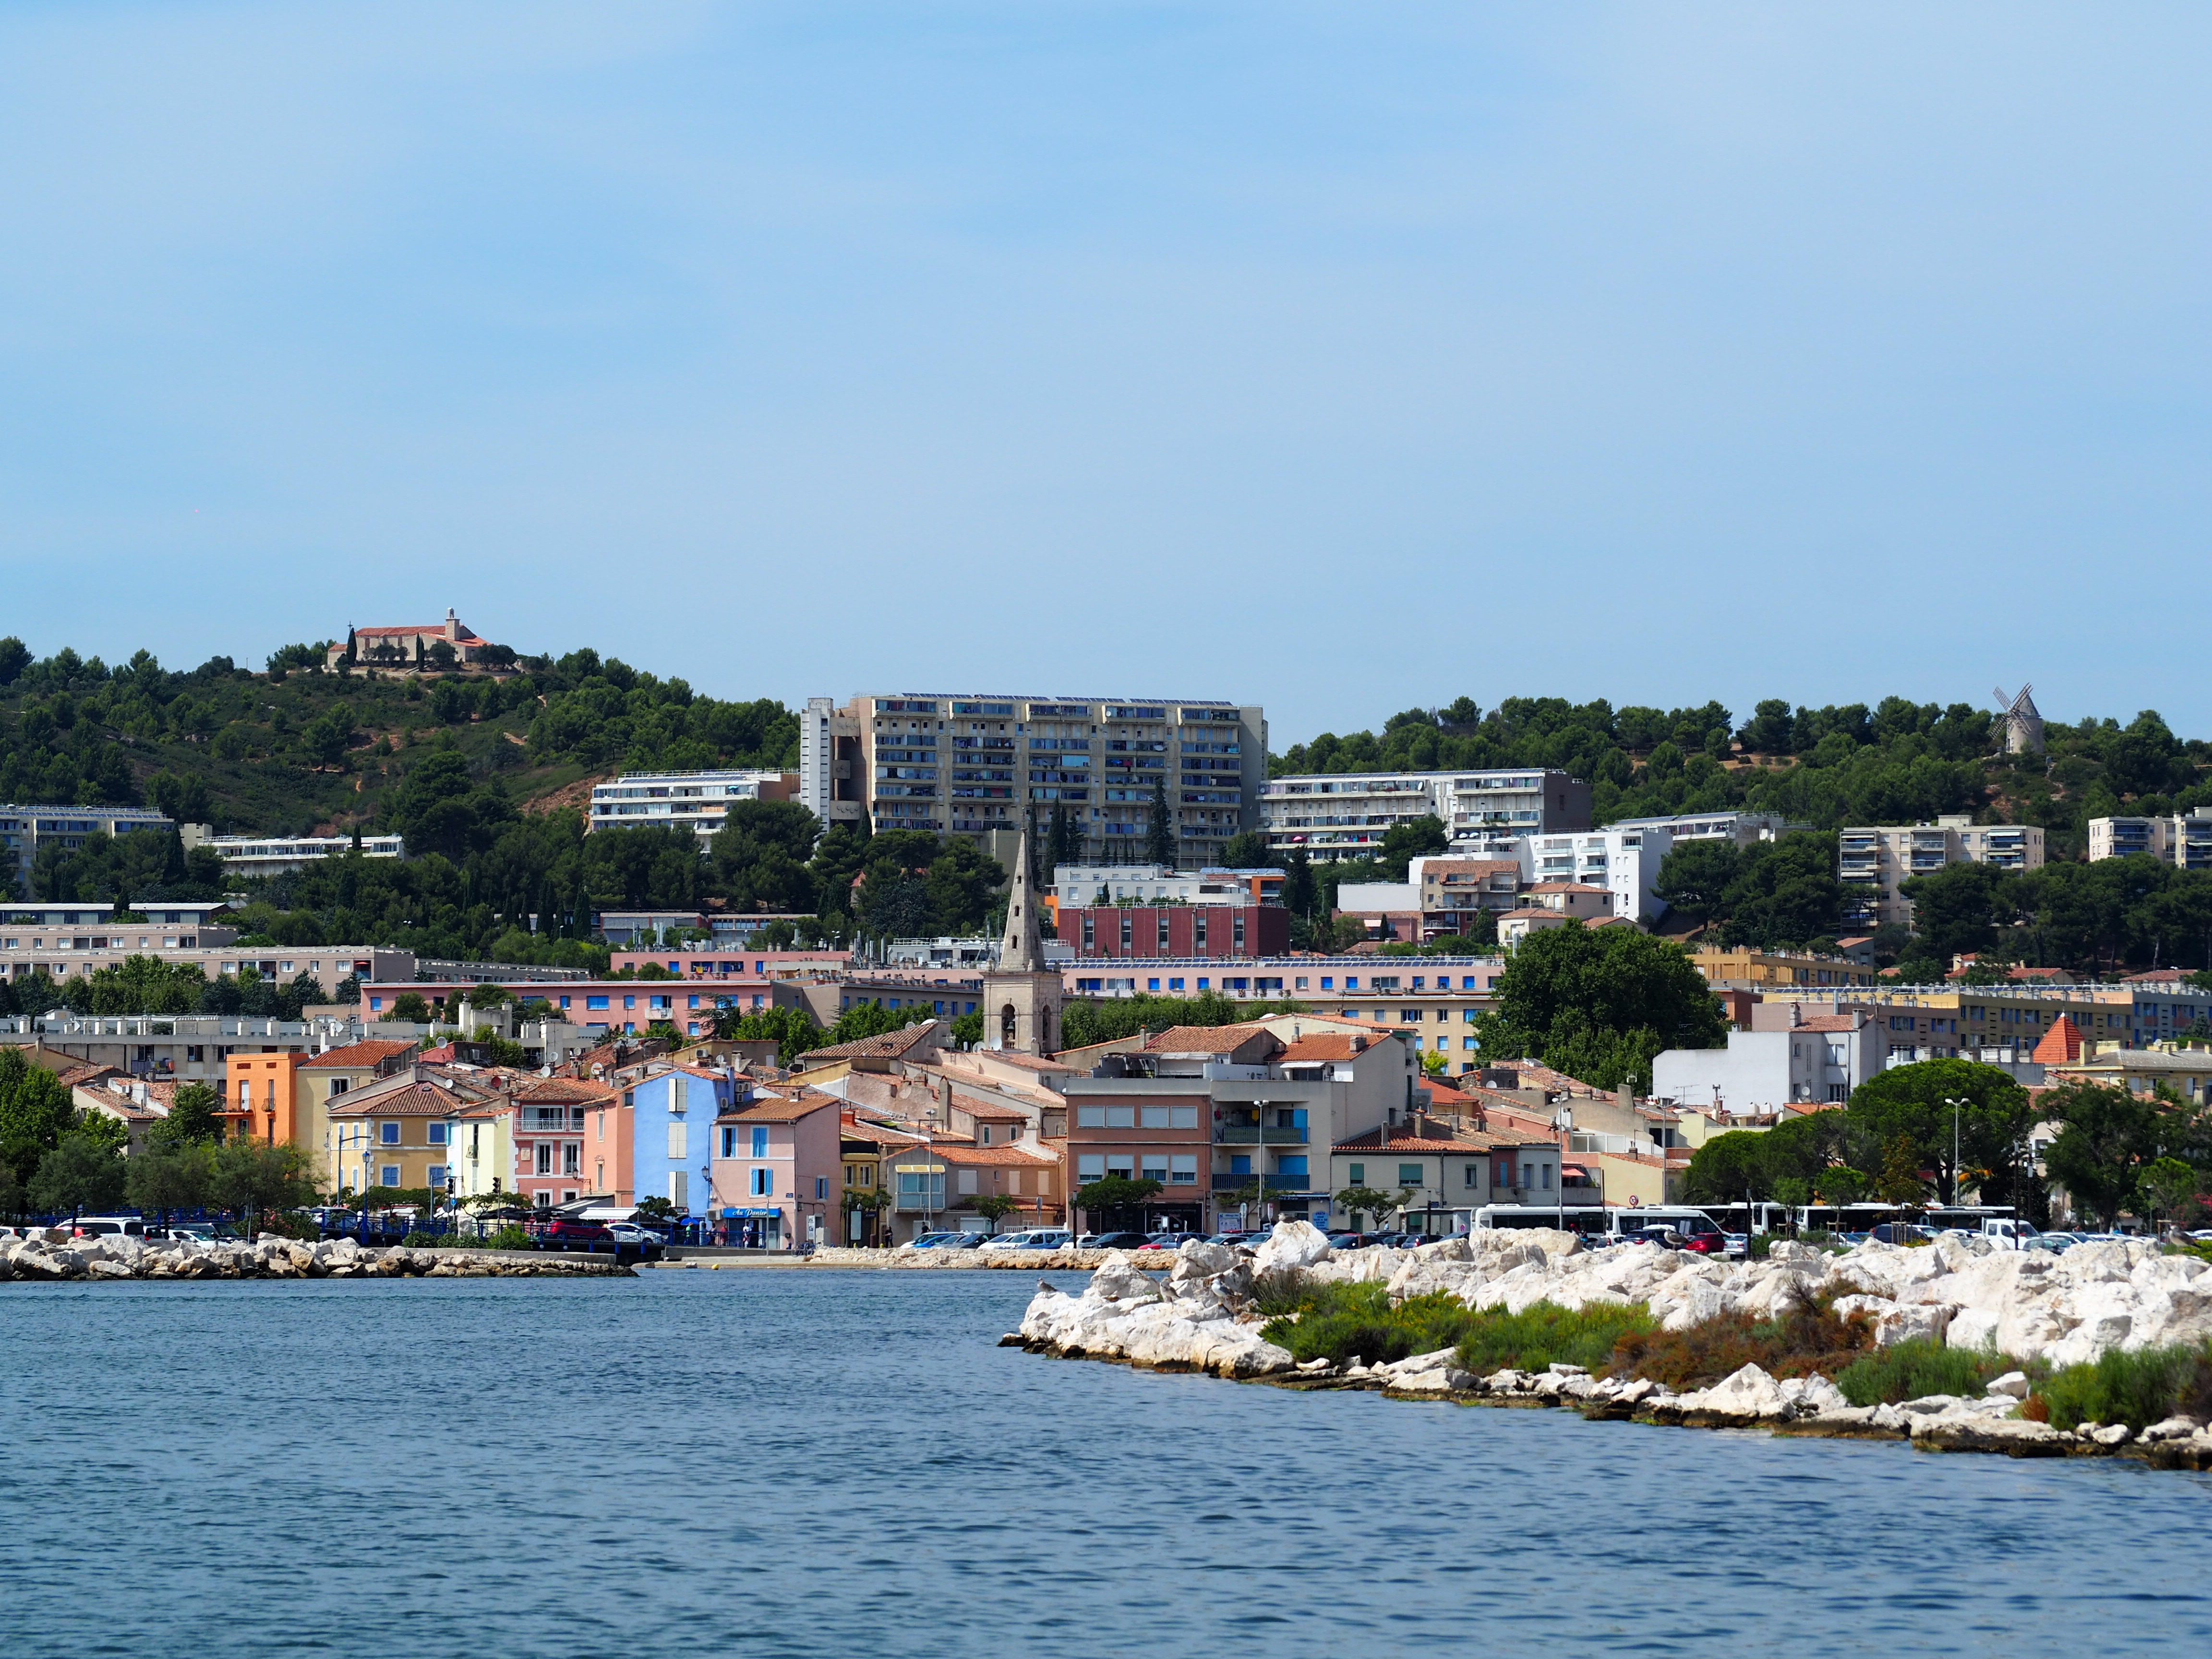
point(1159, 834)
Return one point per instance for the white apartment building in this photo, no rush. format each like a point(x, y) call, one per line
point(1075, 885)
point(1346, 815)
point(2184, 839)
point(1742, 828)
point(25, 829)
point(1886, 857)
point(1624, 861)
point(1817, 1059)
point(698, 801)
point(275, 855)
point(986, 764)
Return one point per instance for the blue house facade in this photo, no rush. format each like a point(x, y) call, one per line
point(672, 1123)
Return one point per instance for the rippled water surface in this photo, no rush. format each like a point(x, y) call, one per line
point(827, 1463)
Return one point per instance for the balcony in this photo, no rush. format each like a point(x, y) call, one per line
point(1257, 1137)
point(1276, 1183)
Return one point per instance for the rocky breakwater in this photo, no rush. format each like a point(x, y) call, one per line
point(55, 1256)
point(2061, 1311)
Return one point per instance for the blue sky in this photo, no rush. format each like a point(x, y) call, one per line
point(1345, 358)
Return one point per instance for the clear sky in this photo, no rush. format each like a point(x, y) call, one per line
point(1346, 359)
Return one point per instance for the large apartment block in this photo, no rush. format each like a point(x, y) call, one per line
point(975, 764)
point(698, 801)
point(2185, 839)
point(25, 829)
point(1884, 858)
point(1346, 815)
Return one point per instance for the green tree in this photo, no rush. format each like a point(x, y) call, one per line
point(250, 1178)
point(1695, 876)
point(1605, 1000)
point(81, 1172)
point(1248, 849)
point(1956, 910)
point(2170, 1187)
point(410, 1005)
point(1728, 1167)
point(792, 1031)
point(761, 855)
point(35, 1112)
point(1114, 1200)
point(2106, 1136)
point(192, 1115)
point(1159, 829)
point(165, 1175)
point(1085, 1022)
point(1913, 1103)
point(1840, 1184)
point(1900, 1181)
point(1403, 842)
point(994, 1207)
point(1371, 1202)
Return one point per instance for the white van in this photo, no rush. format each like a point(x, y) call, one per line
point(104, 1226)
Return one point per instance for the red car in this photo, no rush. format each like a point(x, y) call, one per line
point(567, 1234)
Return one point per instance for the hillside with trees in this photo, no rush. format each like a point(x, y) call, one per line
point(1899, 761)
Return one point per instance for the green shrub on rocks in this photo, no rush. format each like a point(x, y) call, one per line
point(1547, 1335)
point(1803, 1341)
point(2137, 1388)
point(1915, 1369)
point(1342, 1321)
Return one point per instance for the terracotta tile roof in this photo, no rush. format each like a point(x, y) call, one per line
point(1565, 887)
point(412, 1100)
point(2061, 1045)
point(778, 1109)
point(881, 1134)
point(1004, 1158)
point(1827, 1022)
point(1029, 1062)
point(1468, 1140)
point(890, 1045)
point(566, 1092)
point(78, 1077)
point(355, 1056)
point(1204, 1039)
point(984, 1111)
point(1322, 1046)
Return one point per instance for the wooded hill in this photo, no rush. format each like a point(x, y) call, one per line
point(1897, 762)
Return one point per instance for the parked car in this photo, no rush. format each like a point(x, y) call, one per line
point(949, 1241)
point(1249, 1241)
point(1112, 1242)
point(1165, 1241)
point(1352, 1241)
point(1901, 1232)
point(567, 1233)
point(104, 1226)
point(1045, 1238)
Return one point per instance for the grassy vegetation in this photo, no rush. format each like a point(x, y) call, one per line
point(2136, 1389)
point(1808, 1340)
point(1340, 1322)
point(1915, 1369)
point(1547, 1335)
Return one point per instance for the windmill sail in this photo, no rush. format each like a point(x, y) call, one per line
point(2022, 723)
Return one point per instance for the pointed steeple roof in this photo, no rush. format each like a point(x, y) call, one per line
point(1022, 950)
point(2061, 1044)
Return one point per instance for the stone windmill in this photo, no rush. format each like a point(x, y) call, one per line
point(2023, 726)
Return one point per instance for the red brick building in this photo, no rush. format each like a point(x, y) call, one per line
point(1181, 931)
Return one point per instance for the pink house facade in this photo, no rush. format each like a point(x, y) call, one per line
point(778, 1171)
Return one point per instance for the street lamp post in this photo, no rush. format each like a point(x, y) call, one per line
point(1954, 1104)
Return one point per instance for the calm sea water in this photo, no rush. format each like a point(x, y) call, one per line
point(821, 1464)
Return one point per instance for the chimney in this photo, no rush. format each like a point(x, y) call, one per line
point(944, 1099)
